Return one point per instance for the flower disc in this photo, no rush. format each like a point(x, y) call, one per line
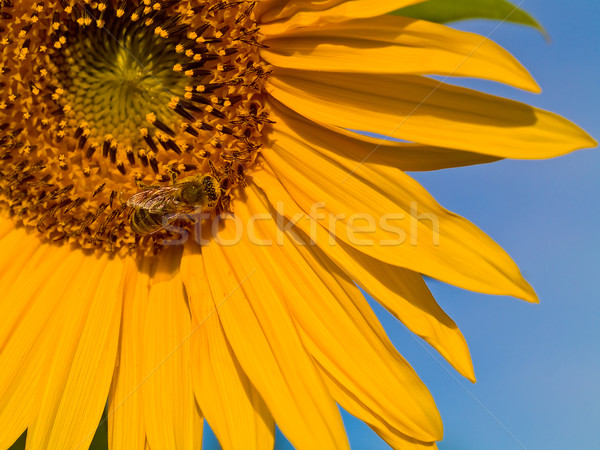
point(101, 100)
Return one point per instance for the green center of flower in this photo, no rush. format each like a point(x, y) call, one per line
point(112, 77)
point(110, 108)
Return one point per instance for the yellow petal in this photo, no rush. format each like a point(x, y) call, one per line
point(17, 246)
point(31, 302)
point(422, 110)
point(70, 377)
point(307, 13)
point(233, 408)
point(18, 407)
point(6, 226)
point(343, 334)
point(393, 44)
point(406, 227)
point(22, 273)
point(264, 339)
point(354, 406)
point(93, 364)
point(125, 415)
point(400, 291)
point(170, 410)
point(360, 148)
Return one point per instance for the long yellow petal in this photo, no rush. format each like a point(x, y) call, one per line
point(343, 334)
point(60, 387)
point(265, 341)
point(233, 408)
point(422, 110)
point(6, 225)
point(354, 406)
point(400, 291)
point(393, 44)
point(405, 226)
point(18, 407)
point(360, 147)
point(93, 365)
point(30, 303)
point(23, 273)
point(125, 415)
point(310, 13)
point(170, 410)
point(17, 246)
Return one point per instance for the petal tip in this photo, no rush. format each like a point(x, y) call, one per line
point(529, 295)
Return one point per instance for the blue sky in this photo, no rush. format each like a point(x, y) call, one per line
point(537, 365)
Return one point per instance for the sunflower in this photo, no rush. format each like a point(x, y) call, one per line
point(187, 216)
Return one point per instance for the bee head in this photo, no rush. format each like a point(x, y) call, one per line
point(201, 191)
point(193, 193)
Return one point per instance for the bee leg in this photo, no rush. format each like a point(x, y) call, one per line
point(173, 177)
point(145, 186)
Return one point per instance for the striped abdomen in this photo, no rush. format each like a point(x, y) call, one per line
point(144, 222)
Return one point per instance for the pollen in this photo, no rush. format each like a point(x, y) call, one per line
point(102, 98)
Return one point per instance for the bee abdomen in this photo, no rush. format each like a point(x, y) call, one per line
point(144, 222)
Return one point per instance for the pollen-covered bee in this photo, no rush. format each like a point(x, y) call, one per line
point(157, 207)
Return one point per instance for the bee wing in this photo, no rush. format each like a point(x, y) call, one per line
point(156, 200)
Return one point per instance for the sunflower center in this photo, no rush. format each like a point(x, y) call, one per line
point(111, 76)
point(111, 108)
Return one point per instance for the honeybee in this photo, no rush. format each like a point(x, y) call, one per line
point(155, 208)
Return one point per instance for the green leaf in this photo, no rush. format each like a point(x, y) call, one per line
point(442, 11)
